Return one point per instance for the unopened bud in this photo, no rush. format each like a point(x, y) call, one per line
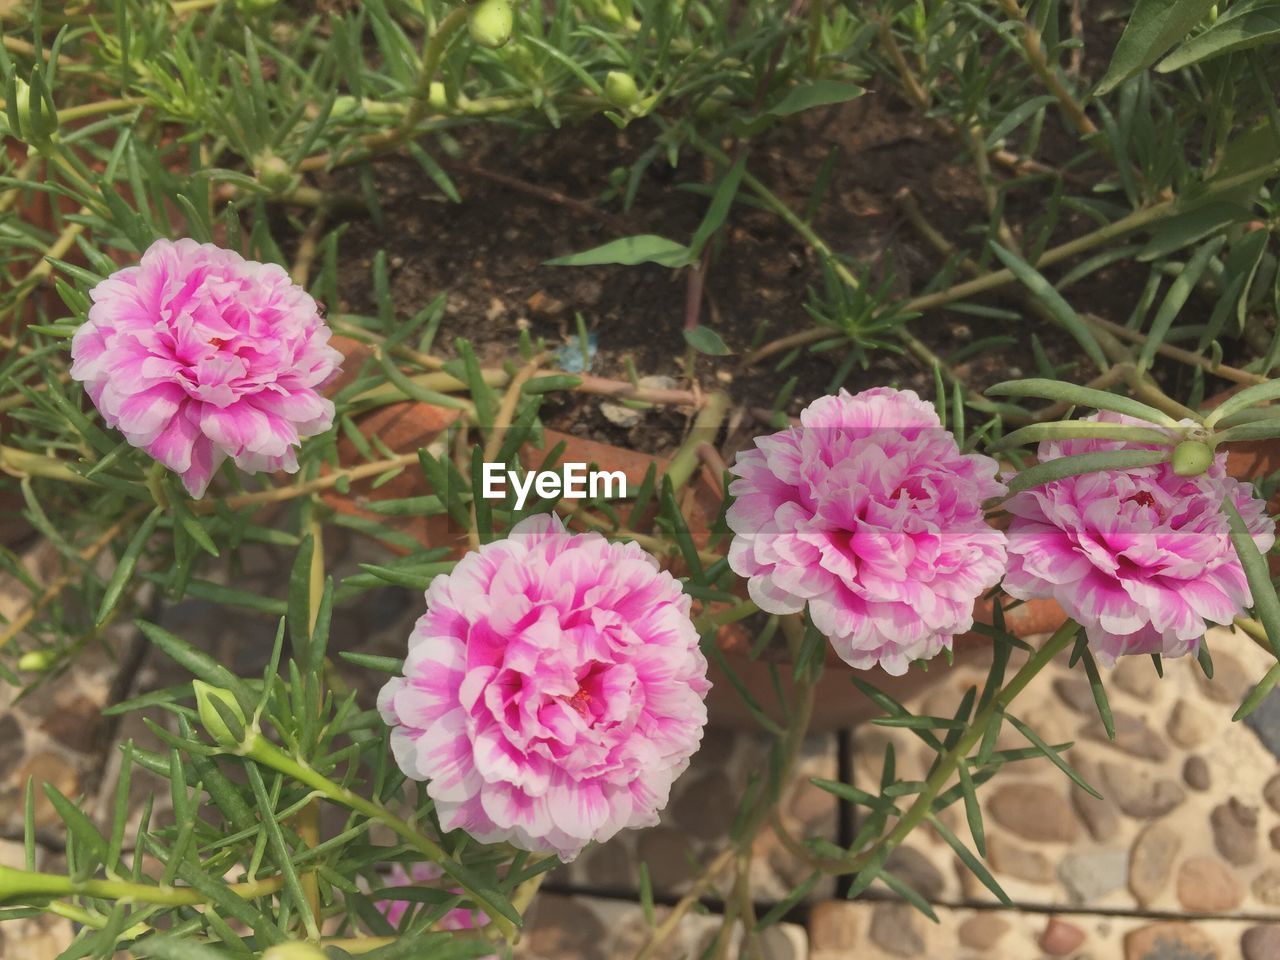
point(295, 950)
point(37, 661)
point(345, 106)
point(490, 23)
point(273, 172)
point(620, 89)
point(220, 713)
point(436, 97)
point(1191, 458)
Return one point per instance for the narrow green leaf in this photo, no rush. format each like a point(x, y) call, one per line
point(1052, 755)
point(1082, 463)
point(1256, 571)
point(127, 564)
point(1079, 396)
point(1062, 311)
point(976, 866)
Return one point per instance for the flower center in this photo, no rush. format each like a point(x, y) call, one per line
point(580, 701)
point(217, 343)
point(1142, 498)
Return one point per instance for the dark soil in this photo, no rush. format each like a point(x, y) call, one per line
point(489, 253)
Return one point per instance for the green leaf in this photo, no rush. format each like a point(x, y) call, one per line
point(1078, 396)
point(1256, 571)
point(1178, 293)
point(196, 662)
point(90, 844)
point(1078, 464)
point(124, 569)
point(1259, 693)
point(1248, 397)
point(1062, 311)
point(1074, 429)
point(908, 894)
point(1016, 117)
point(1153, 27)
point(718, 210)
point(976, 866)
point(1243, 26)
point(1099, 694)
point(705, 340)
point(1052, 755)
point(820, 93)
point(1195, 224)
point(629, 251)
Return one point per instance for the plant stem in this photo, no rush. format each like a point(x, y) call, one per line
point(704, 430)
point(951, 760)
point(1033, 47)
point(663, 931)
point(263, 751)
point(21, 884)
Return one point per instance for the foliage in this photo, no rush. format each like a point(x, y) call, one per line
point(221, 120)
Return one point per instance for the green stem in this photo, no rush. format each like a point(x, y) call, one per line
point(16, 884)
point(952, 759)
point(450, 25)
point(262, 750)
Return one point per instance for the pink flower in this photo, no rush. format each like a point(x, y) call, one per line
point(869, 513)
point(197, 354)
point(421, 875)
point(1141, 558)
point(552, 692)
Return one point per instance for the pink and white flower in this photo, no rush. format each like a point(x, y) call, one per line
point(197, 354)
point(553, 690)
point(1141, 558)
point(868, 513)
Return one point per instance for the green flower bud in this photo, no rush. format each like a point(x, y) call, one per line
point(1191, 458)
point(273, 172)
point(436, 97)
point(620, 89)
point(345, 106)
point(22, 98)
point(490, 23)
point(225, 723)
point(37, 661)
point(295, 950)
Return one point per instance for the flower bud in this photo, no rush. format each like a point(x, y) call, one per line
point(1191, 458)
point(345, 106)
point(490, 23)
point(37, 661)
point(294, 950)
point(620, 89)
point(273, 172)
point(436, 97)
point(220, 713)
point(37, 128)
